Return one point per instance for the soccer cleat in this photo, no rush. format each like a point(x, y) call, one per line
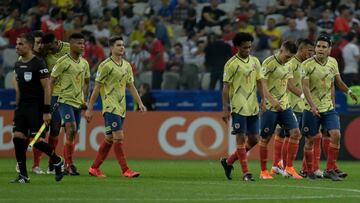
point(265, 175)
point(96, 172)
point(21, 179)
point(248, 177)
point(331, 174)
point(319, 174)
point(72, 170)
point(303, 173)
point(37, 170)
point(59, 170)
point(50, 169)
point(131, 174)
point(227, 168)
point(341, 174)
point(277, 170)
point(312, 176)
point(17, 169)
point(292, 172)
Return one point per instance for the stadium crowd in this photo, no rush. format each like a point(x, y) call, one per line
point(183, 44)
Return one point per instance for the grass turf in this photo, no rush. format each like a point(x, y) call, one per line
point(175, 181)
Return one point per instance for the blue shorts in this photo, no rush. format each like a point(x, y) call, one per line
point(113, 123)
point(70, 114)
point(269, 119)
point(285, 133)
point(245, 124)
point(55, 116)
point(329, 120)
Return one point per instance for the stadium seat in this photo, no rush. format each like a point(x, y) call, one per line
point(9, 80)
point(205, 81)
point(10, 57)
point(146, 77)
point(170, 81)
point(189, 79)
point(139, 8)
point(278, 18)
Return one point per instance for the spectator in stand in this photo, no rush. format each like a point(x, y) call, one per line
point(180, 13)
point(18, 29)
point(101, 32)
point(227, 32)
point(313, 30)
point(94, 53)
point(273, 33)
point(336, 52)
point(139, 33)
point(161, 32)
point(262, 48)
point(119, 10)
point(96, 7)
point(210, 15)
point(217, 52)
point(109, 19)
point(146, 97)
point(54, 24)
point(351, 55)
point(76, 26)
point(166, 10)
point(138, 58)
point(129, 20)
point(301, 20)
point(156, 62)
point(80, 7)
point(8, 22)
point(119, 30)
point(190, 22)
point(326, 22)
point(242, 23)
point(292, 33)
point(176, 59)
point(251, 11)
point(342, 22)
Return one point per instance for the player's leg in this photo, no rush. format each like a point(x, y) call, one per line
point(118, 141)
point(268, 123)
point(55, 126)
point(104, 148)
point(288, 119)
point(317, 155)
point(330, 121)
point(278, 145)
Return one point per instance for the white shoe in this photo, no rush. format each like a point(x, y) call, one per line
point(37, 170)
point(49, 171)
point(319, 173)
point(17, 169)
point(278, 170)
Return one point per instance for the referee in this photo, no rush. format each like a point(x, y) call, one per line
point(32, 106)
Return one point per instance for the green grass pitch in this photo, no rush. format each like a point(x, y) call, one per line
point(175, 181)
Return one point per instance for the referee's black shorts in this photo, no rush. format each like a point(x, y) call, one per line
point(28, 119)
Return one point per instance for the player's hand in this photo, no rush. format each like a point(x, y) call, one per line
point(315, 111)
point(226, 116)
point(353, 97)
point(88, 115)
point(47, 118)
point(277, 106)
point(84, 106)
point(263, 106)
point(142, 108)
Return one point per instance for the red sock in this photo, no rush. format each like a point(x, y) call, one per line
point(309, 153)
point(241, 153)
point(278, 144)
point(102, 154)
point(119, 153)
point(317, 153)
point(293, 147)
point(37, 156)
point(232, 158)
point(53, 142)
point(263, 156)
point(332, 156)
point(284, 150)
point(68, 152)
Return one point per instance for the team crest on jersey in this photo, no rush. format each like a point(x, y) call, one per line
point(254, 66)
point(114, 124)
point(27, 76)
point(237, 125)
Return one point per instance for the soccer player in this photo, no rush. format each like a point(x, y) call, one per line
point(71, 73)
point(114, 75)
point(242, 79)
point(52, 50)
point(278, 110)
point(320, 74)
point(32, 106)
point(305, 50)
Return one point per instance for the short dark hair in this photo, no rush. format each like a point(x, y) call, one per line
point(325, 38)
point(149, 34)
point(304, 41)
point(113, 39)
point(48, 38)
point(242, 37)
point(290, 46)
point(37, 33)
point(29, 38)
point(76, 35)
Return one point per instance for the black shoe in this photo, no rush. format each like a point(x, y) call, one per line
point(303, 174)
point(227, 168)
point(341, 174)
point(21, 179)
point(72, 170)
point(312, 176)
point(331, 174)
point(59, 170)
point(248, 177)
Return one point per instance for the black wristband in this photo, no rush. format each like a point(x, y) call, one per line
point(46, 108)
